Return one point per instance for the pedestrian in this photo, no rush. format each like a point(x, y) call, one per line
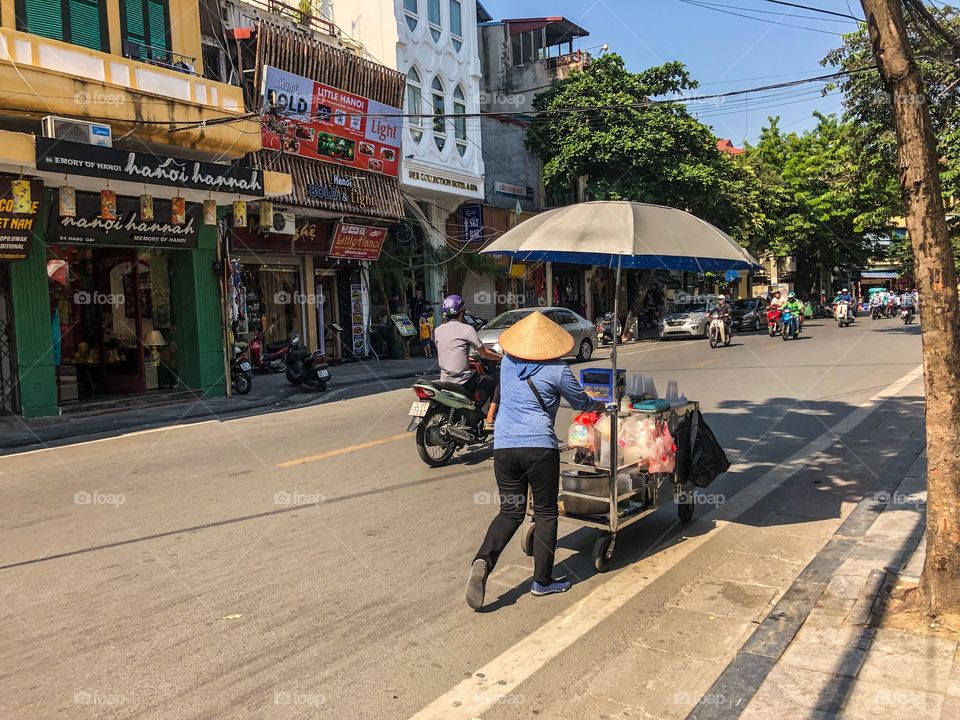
point(526, 457)
point(426, 333)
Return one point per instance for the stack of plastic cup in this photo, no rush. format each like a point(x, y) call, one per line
point(649, 388)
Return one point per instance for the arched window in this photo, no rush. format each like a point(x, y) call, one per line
point(411, 10)
point(433, 18)
point(456, 24)
point(415, 104)
point(460, 120)
point(439, 110)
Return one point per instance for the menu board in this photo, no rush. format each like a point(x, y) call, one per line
point(325, 123)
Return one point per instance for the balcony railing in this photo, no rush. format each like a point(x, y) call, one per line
point(153, 76)
point(161, 57)
point(578, 57)
point(304, 14)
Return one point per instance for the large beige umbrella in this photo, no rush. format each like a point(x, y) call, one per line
point(631, 235)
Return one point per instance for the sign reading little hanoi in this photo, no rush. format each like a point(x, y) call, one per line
point(357, 242)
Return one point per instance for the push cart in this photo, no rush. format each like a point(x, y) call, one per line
point(624, 505)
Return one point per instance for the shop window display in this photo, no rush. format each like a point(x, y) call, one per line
point(270, 301)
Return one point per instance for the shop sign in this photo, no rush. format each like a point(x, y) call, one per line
point(440, 180)
point(502, 188)
point(357, 242)
point(16, 229)
point(89, 228)
point(340, 189)
point(311, 237)
point(472, 223)
point(61, 157)
point(325, 123)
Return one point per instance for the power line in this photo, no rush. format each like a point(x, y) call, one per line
point(758, 19)
point(816, 9)
point(779, 14)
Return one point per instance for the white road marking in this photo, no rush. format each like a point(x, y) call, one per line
point(106, 439)
point(502, 675)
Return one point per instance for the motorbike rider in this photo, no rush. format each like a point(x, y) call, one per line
point(723, 310)
point(795, 306)
point(454, 339)
point(846, 297)
point(909, 303)
point(876, 301)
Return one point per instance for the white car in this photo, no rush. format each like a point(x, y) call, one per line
point(583, 331)
point(687, 320)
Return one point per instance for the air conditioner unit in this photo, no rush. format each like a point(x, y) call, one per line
point(283, 223)
point(78, 131)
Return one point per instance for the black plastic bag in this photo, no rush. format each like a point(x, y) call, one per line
point(700, 459)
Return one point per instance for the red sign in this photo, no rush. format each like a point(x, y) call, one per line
point(357, 242)
point(325, 123)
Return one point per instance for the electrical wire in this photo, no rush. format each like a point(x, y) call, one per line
point(758, 19)
point(816, 9)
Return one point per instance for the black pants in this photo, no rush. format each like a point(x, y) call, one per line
point(518, 469)
point(488, 385)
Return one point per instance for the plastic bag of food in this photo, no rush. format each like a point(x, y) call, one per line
point(636, 438)
point(581, 432)
point(663, 458)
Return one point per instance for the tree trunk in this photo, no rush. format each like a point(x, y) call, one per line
point(936, 276)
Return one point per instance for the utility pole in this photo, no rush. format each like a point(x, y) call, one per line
point(936, 275)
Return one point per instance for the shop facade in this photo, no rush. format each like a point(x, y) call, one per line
point(115, 290)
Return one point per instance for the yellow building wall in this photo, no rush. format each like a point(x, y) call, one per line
point(184, 27)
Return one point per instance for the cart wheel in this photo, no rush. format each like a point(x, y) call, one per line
point(603, 553)
point(685, 510)
point(526, 540)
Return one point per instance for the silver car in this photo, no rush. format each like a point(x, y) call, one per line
point(583, 331)
point(686, 320)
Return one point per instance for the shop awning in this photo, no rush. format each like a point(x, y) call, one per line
point(879, 275)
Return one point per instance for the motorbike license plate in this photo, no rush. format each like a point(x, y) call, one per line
point(419, 409)
point(323, 374)
point(246, 367)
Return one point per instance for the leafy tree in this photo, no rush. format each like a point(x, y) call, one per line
point(630, 148)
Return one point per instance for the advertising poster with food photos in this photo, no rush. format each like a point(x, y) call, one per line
point(325, 123)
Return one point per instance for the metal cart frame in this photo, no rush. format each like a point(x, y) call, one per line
point(617, 518)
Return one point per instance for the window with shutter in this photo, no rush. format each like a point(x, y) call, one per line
point(145, 29)
point(81, 22)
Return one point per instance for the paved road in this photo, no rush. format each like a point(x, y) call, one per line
point(306, 564)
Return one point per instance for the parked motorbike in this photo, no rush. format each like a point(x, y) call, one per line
point(790, 325)
point(306, 368)
point(842, 314)
point(718, 331)
point(241, 372)
point(605, 329)
point(270, 357)
point(446, 418)
point(773, 321)
point(906, 314)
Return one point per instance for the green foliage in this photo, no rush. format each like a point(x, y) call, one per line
point(652, 152)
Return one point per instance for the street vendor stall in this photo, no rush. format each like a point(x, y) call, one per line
point(621, 235)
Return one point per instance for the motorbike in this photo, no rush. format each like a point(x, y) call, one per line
point(718, 331)
point(270, 357)
point(446, 417)
point(773, 321)
point(876, 311)
point(306, 368)
point(790, 326)
point(241, 372)
point(605, 329)
point(907, 315)
point(890, 310)
point(842, 314)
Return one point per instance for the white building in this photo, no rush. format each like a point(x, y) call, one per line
point(434, 43)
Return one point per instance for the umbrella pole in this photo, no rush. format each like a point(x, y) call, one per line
point(614, 430)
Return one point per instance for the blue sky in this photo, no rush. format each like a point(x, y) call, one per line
point(722, 51)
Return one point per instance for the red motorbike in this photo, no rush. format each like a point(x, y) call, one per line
point(271, 357)
point(773, 321)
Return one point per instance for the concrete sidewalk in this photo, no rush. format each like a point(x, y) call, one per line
point(269, 393)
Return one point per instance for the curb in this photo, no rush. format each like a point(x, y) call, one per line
point(227, 413)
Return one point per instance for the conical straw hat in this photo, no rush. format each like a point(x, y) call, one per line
point(536, 337)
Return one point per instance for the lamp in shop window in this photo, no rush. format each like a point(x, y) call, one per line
point(155, 341)
point(266, 215)
point(239, 213)
point(178, 210)
point(209, 211)
point(68, 201)
point(108, 205)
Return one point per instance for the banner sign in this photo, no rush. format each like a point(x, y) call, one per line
point(325, 123)
point(16, 228)
point(472, 223)
point(69, 158)
point(88, 228)
point(502, 188)
point(357, 314)
point(357, 242)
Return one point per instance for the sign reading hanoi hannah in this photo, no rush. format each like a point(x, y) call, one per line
point(70, 158)
point(357, 242)
point(325, 123)
point(88, 228)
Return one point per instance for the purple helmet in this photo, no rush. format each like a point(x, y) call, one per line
point(452, 305)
